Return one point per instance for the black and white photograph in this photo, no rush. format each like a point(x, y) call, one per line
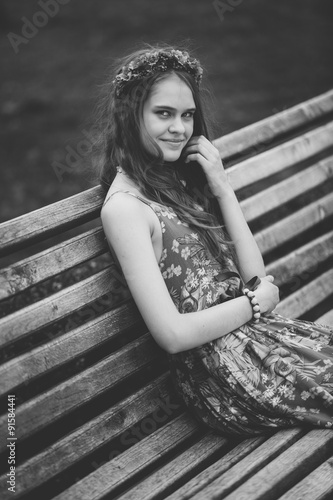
point(166, 250)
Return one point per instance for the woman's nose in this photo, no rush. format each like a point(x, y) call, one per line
point(177, 125)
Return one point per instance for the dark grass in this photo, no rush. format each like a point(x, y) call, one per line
point(264, 56)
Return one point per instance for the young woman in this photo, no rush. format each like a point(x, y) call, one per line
point(174, 226)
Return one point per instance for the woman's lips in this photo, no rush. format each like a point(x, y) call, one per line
point(173, 142)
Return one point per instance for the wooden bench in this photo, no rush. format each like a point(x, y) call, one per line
point(95, 412)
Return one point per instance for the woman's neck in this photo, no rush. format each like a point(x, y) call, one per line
point(123, 181)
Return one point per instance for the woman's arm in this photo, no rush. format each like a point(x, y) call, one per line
point(249, 257)
point(128, 226)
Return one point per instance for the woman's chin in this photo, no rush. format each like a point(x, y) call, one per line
point(171, 157)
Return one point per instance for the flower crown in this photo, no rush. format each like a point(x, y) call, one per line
point(158, 60)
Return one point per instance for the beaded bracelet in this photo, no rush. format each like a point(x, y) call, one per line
point(254, 303)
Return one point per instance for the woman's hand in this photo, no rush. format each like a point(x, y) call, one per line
point(267, 294)
point(200, 149)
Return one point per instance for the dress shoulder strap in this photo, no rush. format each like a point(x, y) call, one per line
point(132, 194)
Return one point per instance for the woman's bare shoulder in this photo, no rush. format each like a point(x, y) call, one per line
point(121, 203)
point(125, 212)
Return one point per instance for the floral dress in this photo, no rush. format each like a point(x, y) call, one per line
point(262, 376)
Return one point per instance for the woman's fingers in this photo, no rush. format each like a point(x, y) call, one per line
point(199, 158)
point(267, 294)
point(198, 148)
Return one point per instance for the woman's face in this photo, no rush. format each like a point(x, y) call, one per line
point(168, 115)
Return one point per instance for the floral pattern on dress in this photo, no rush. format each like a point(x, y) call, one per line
point(262, 376)
point(201, 286)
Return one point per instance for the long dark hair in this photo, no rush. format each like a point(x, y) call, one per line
point(173, 184)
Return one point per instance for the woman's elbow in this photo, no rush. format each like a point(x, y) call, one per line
point(168, 339)
point(173, 348)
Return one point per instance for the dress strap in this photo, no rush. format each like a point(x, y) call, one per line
point(132, 194)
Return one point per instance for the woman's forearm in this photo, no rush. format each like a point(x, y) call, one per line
point(249, 256)
point(197, 328)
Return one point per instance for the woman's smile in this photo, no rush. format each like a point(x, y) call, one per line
point(174, 143)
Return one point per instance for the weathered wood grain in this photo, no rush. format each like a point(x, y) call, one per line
point(58, 401)
point(88, 437)
point(167, 476)
point(281, 157)
point(307, 297)
point(260, 135)
point(50, 220)
point(298, 266)
point(294, 224)
point(209, 474)
point(57, 352)
point(288, 189)
point(250, 465)
point(316, 486)
point(274, 479)
point(133, 461)
point(60, 304)
point(32, 270)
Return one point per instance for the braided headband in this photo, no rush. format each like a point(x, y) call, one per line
point(158, 60)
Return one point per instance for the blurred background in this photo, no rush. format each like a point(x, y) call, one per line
point(261, 57)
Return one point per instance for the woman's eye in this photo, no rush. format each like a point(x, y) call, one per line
point(164, 113)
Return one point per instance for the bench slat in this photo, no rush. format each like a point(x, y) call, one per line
point(89, 437)
point(249, 465)
point(176, 470)
point(46, 264)
point(58, 401)
point(50, 220)
point(262, 133)
point(307, 297)
point(132, 461)
point(316, 486)
point(57, 306)
point(287, 189)
point(69, 346)
point(293, 464)
point(207, 476)
point(326, 319)
point(294, 224)
point(281, 157)
point(302, 262)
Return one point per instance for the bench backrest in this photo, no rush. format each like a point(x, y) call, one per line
point(84, 370)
